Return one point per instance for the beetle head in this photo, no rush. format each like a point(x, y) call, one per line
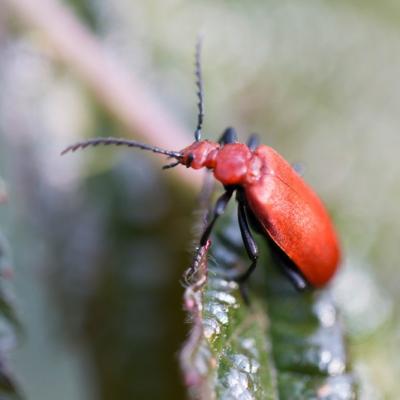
point(200, 154)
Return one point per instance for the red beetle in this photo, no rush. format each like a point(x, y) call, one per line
point(272, 198)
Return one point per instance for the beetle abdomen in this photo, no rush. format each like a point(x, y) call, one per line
point(293, 216)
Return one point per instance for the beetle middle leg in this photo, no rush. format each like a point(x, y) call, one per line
point(281, 259)
point(249, 242)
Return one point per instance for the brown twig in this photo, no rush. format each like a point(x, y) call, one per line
point(116, 88)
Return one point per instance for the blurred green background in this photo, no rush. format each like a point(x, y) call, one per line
point(100, 238)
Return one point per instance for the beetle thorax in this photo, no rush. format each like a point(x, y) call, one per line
point(232, 164)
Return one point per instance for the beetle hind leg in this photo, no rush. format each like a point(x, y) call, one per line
point(295, 277)
point(288, 267)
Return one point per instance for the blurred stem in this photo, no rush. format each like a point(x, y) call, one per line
point(116, 88)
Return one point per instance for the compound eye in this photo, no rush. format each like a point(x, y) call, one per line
point(189, 160)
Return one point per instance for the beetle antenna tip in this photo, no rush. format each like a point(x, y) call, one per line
point(199, 86)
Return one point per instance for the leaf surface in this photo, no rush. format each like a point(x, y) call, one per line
point(283, 345)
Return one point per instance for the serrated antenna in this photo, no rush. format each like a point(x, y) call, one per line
point(199, 86)
point(119, 142)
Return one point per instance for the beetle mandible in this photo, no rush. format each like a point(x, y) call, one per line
point(272, 198)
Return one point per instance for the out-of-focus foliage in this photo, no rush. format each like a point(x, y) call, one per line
point(284, 345)
point(124, 310)
point(316, 79)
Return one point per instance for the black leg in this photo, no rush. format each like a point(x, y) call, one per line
point(299, 168)
point(253, 141)
point(249, 243)
point(288, 267)
point(298, 281)
point(229, 136)
point(244, 292)
point(219, 209)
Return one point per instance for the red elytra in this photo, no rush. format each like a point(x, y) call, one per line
point(288, 210)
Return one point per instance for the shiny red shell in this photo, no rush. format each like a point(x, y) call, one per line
point(294, 217)
point(288, 210)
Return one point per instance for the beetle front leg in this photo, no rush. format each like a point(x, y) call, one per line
point(249, 243)
point(219, 209)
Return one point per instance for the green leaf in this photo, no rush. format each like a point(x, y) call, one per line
point(284, 345)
